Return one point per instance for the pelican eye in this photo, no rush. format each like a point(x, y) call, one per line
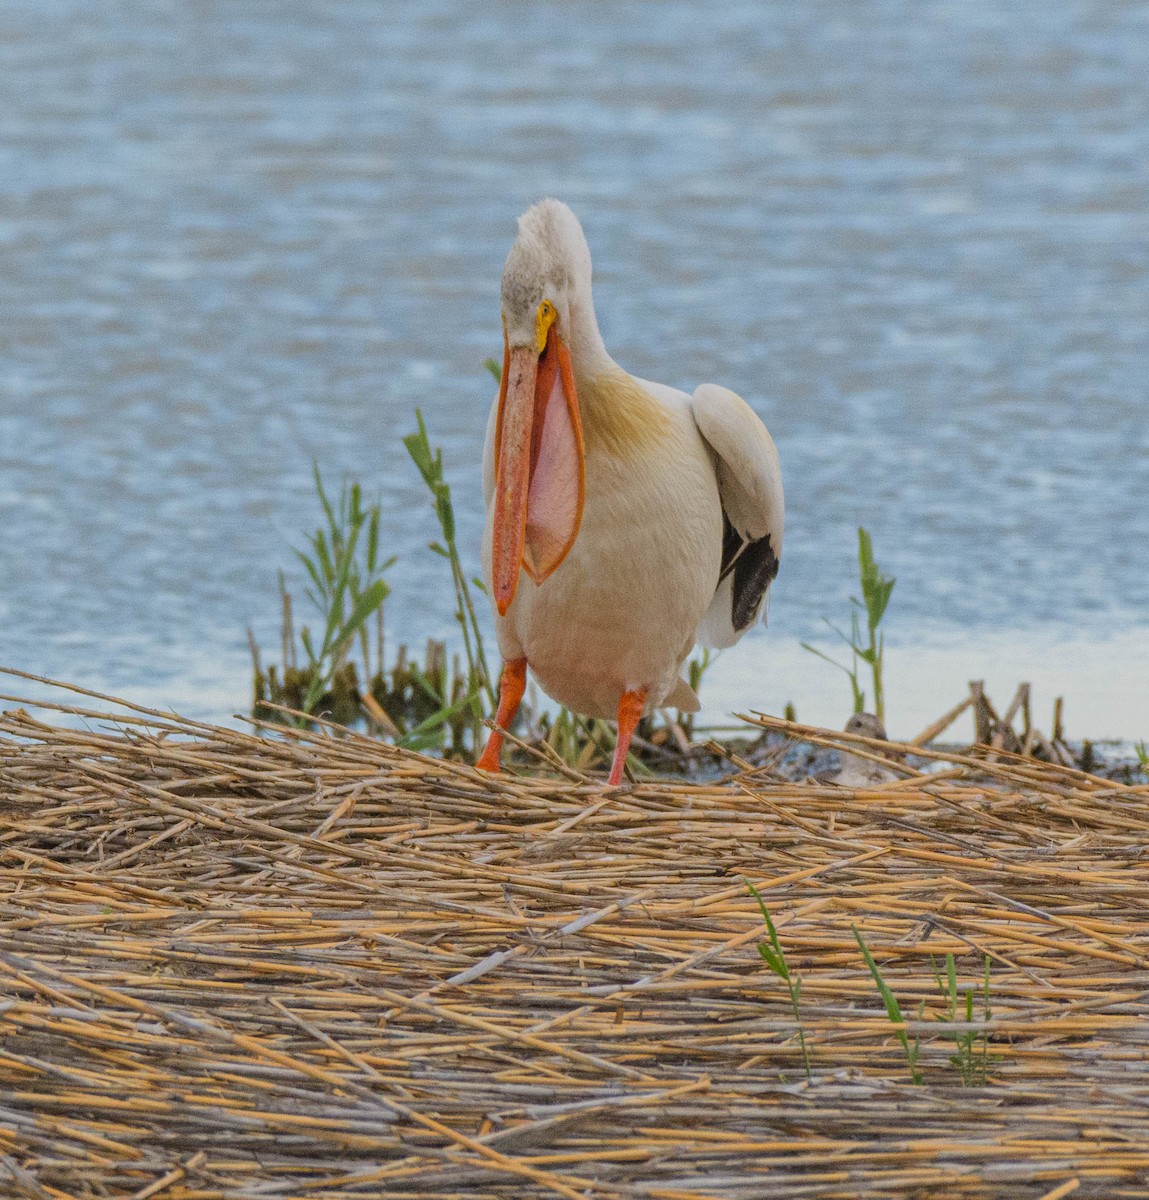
point(544, 319)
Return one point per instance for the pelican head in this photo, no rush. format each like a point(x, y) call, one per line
point(539, 468)
point(547, 269)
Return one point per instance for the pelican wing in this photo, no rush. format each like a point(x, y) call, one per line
point(750, 487)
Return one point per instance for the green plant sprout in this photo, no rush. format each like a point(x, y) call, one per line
point(972, 1065)
point(419, 706)
point(876, 589)
point(430, 465)
point(893, 1009)
point(775, 959)
point(427, 735)
point(347, 585)
point(696, 668)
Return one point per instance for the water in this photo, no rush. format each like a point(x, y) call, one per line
point(238, 237)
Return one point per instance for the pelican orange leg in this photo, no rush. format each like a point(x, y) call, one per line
point(629, 712)
point(512, 684)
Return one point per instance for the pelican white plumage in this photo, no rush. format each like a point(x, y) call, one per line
point(646, 519)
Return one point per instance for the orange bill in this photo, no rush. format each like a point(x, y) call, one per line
point(540, 481)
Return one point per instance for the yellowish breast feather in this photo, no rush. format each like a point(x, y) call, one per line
point(619, 417)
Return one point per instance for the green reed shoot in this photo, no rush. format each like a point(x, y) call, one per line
point(865, 617)
point(775, 959)
point(573, 738)
point(428, 734)
point(581, 741)
point(696, 669)
point(893, 1009)
point(876, 591)
point(430, 465)
point(347, 584)
point(972, 1065)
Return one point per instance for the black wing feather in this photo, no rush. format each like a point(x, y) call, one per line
point(754, 565)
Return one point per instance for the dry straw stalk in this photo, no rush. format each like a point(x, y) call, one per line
point(316, 966)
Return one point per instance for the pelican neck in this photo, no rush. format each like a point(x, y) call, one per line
point(588, 351)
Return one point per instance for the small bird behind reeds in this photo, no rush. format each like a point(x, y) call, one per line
point(854, 771)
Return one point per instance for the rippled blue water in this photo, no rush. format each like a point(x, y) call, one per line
point(236, 237)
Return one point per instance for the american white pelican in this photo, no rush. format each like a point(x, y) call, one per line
point(644, 519)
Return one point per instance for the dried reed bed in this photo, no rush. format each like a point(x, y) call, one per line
point(316, 966)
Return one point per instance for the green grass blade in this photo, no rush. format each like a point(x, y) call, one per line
point(308, 647)
point(419, 448)
point(366, 604)
point(322, 494)
point(893, 1008)
point(876, 587)
point(312, 570)
point(825, 657)
point(325, 558)
point(774, 958)
point(437, 719)
point(783, 970)
point(373, 539)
